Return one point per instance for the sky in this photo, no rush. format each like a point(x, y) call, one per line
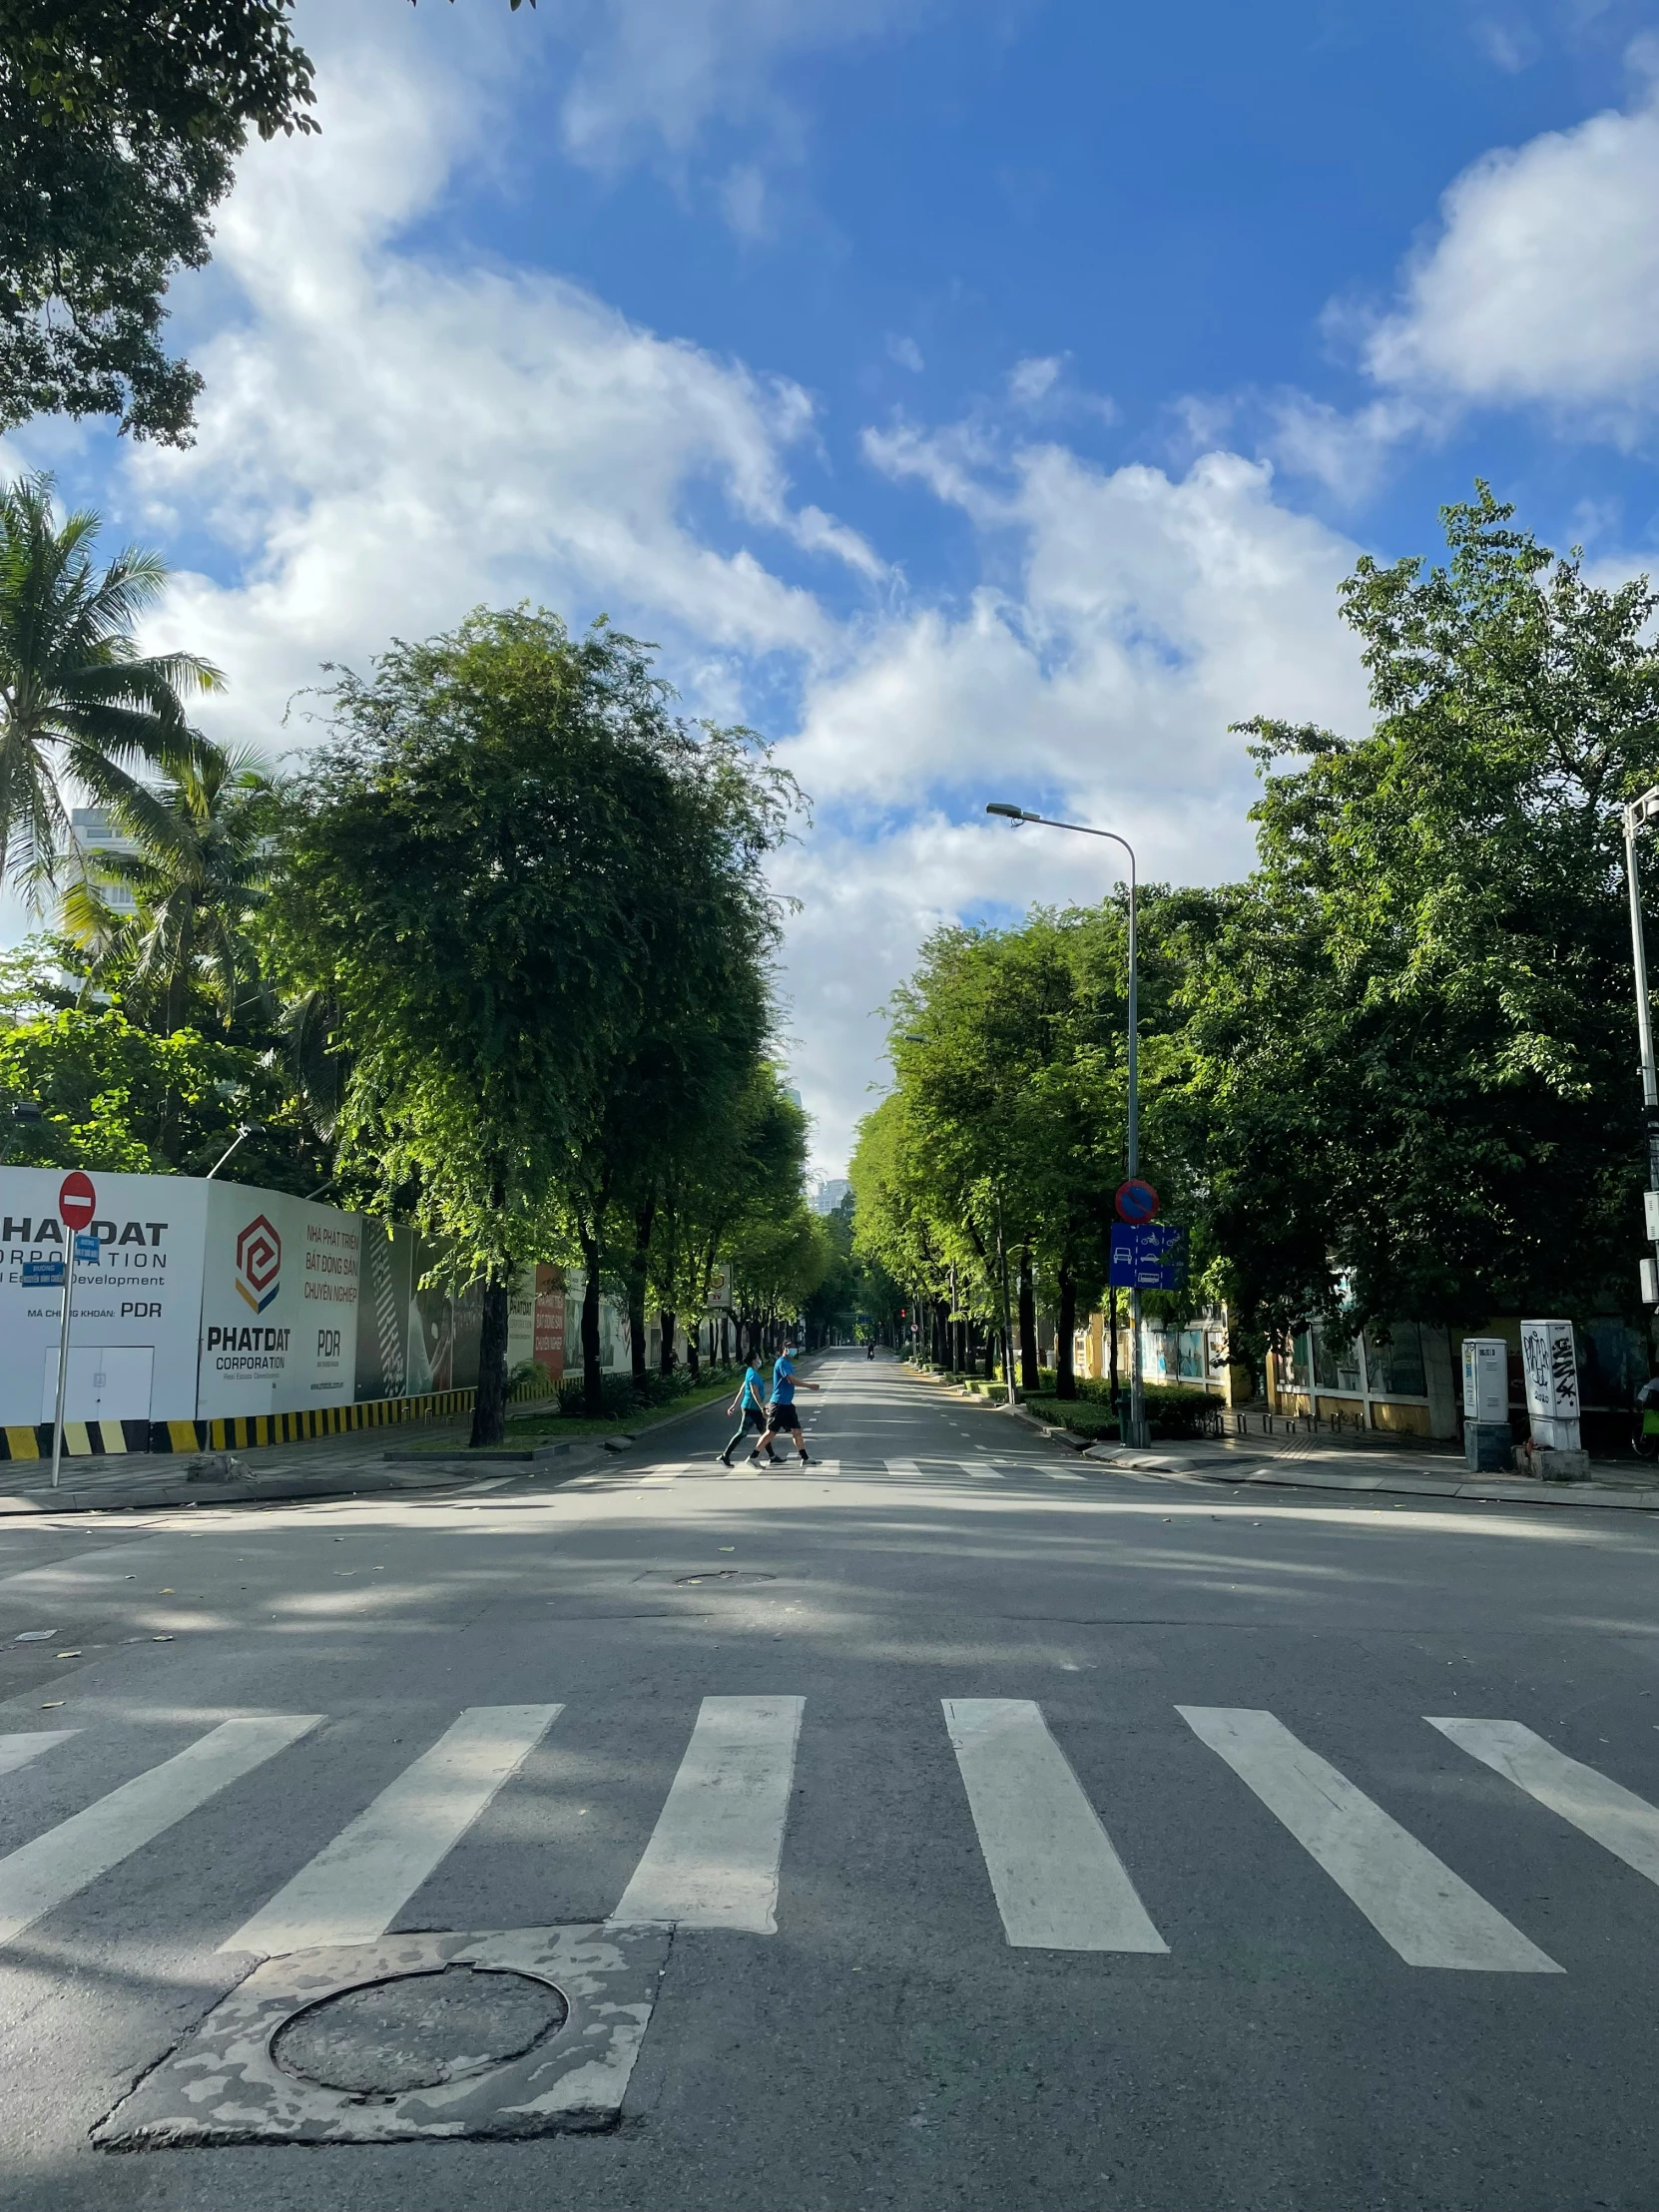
point(979, 398)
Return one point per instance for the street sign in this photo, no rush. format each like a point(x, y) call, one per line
point(77, 1200)
point(1148, 1256)
point(87, 1249)
point(43, 1275)
point(1137, 1201)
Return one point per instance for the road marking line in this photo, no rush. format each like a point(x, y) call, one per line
point(17, 1751)
point(979, 1470)
point(353, 1890)
point(654, 1479)
point(1605, 1810)
point(714, 1855)
point(1059, 1883)
point(901, 1467)
point(68, 1858)
point(1427, 1913)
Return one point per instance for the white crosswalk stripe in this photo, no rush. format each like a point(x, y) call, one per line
point(1605, 1810)
point(1059, 1883)
point(655, 1477)
point(52, 1869)
point(351, 1890)
point(1429, 1916)
point(901, 1467)
point(17, 1751)
point(981, 1470)
point(714, 1855)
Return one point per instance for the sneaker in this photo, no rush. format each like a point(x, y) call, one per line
point(725, 1462)
point(805, 1462)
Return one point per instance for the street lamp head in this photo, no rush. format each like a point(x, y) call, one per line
point(1646, 809)
point(1014, 814)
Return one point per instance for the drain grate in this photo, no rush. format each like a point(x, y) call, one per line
point(415, 2031)
point(418, 2035)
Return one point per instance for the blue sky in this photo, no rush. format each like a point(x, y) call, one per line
point(980, 398)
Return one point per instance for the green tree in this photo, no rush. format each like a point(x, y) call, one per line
point(486, 874)
point(120, 125)
point(198, 880)
point(700, 1016)
point(1414, 1049)
point(119, 1098)
point(77, 698)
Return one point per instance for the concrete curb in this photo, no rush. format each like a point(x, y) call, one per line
point(1387, 1482)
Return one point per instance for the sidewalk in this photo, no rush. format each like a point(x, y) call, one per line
point(365, 1461)
point(1368, 1464)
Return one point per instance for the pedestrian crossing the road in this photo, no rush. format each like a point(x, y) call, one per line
point(716, 1856)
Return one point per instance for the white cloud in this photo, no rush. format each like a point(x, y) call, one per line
point(908, 353)
point(1149, 613)
point(656, 72)
point(1034, 379)
point(385, 441)
point(1543, 283)
point(1348, 453)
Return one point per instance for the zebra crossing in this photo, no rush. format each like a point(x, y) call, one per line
point(715, 1857)
point(981, 1469)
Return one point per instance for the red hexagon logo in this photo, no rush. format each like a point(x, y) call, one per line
point(259, 1263)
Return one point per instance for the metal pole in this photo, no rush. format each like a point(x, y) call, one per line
point(1137, 1394)
point(1137, 1386)
point(1008, 1318)
point(1644, 1010)
point(63, 1357)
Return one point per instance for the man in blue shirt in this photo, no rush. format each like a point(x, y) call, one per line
point(782, 1412)
point(754, 1416)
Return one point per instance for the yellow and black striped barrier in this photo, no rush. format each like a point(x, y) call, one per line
point(83, 1439)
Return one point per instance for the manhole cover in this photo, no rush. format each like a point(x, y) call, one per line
point(723, 1574)
point(417, 2030)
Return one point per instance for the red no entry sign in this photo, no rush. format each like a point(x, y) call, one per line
point(77, 1200)
point(1137, 1201)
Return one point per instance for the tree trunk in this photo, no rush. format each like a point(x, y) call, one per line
point(1066, 1379)
point(636, 1269)
point(1112, 1333)
point(1030, 1380)
point(694, 1352)
point(666, 1361)
point(489, 1407)
point(987, 1352)
point(593, 1385)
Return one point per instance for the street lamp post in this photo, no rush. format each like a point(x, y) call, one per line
point(1640, 816)
point(1017, 814)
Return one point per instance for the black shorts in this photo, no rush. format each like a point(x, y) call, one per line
point(784, 1416)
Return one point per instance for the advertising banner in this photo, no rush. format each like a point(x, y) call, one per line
point(280, 1290)
point(385, 1311)
point(133, 1322)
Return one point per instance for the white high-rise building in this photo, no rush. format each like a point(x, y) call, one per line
point(831, 1193)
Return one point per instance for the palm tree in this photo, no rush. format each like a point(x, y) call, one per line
point(78, 701)
point(197, 878)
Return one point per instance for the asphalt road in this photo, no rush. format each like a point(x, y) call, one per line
point(1111, 1855)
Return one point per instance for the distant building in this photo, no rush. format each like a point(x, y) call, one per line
point(831, 1193)
point(793, 1095)
point(94, 833)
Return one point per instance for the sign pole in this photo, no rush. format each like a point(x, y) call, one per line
point(77, 1203)
point(63, 1359)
